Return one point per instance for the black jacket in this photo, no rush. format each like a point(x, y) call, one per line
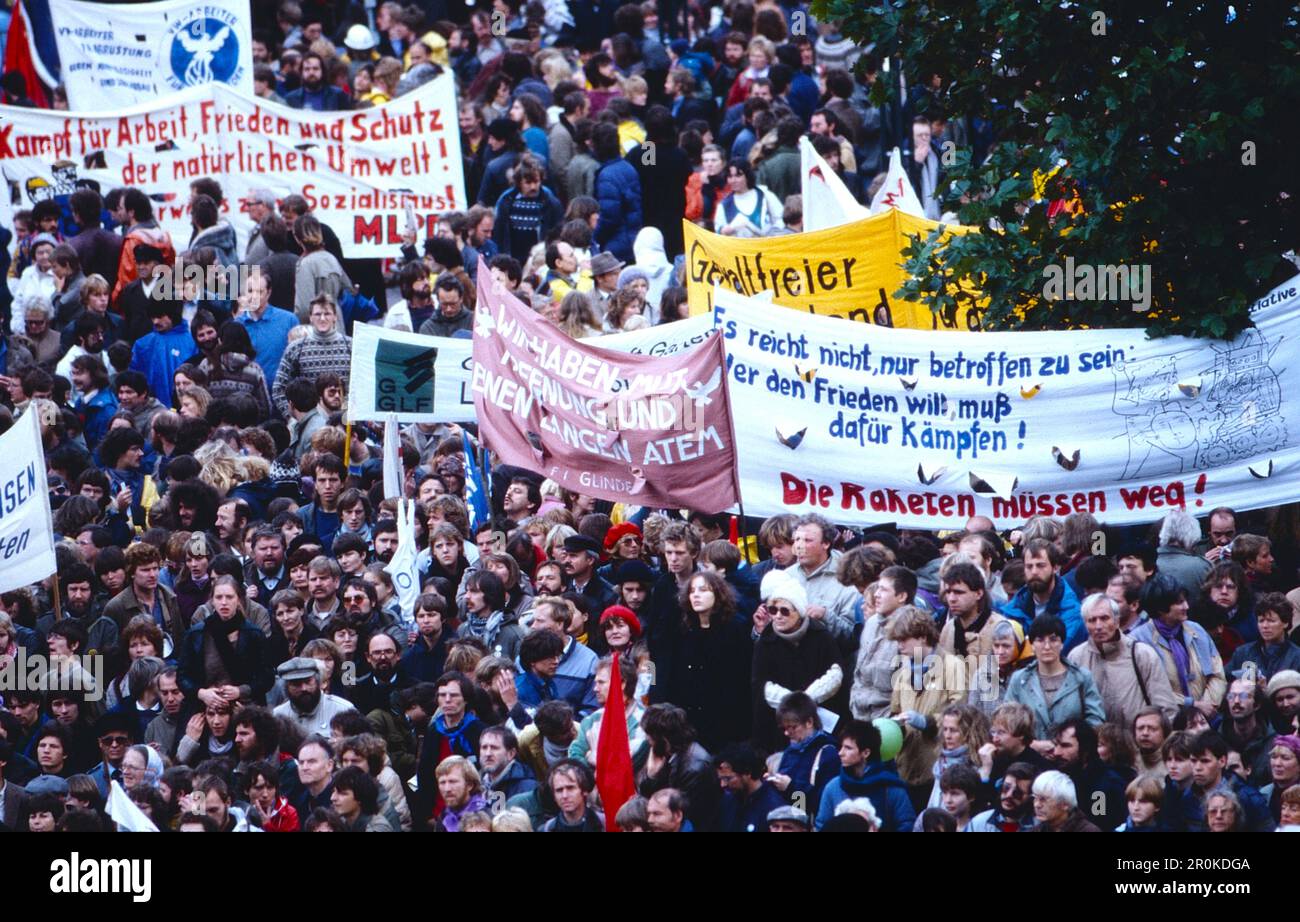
point(692, 773)
point(255, 668)
point(706, 673)
point(792, 665)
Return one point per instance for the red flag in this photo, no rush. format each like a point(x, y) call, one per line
point(614, 777)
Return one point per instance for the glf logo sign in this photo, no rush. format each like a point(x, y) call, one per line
point(404, 377)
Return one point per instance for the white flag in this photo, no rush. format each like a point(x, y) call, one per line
point(897, 192)
point(125, 813)
point(26, 528)
point(393, 479)
point(402, 568)
point(827, 202)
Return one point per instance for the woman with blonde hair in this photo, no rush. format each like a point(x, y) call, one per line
point(192, 401)
point(577, 316)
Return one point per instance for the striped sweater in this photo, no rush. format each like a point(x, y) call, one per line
point(310, 357)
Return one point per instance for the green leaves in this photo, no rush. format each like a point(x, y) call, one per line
point(1154, 145)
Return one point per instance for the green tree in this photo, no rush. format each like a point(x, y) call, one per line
point(1174, 122)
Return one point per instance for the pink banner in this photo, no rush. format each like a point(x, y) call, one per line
point(631, 428)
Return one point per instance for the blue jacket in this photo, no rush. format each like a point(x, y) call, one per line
point(618, 189)
point(575, 682)
point(1255, 805)
point(750, 814)
point(158, 355)
point(798, 760)
point(95, 414)
point(332, 99)
point(1268, 659)
point(881, 784)
point(1063, 603)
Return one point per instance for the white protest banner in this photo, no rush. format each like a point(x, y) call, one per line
point(357, 170)
point(117, 56)
point(414, 378)
point(897, 192)
point(26, 527)
point(380, 388)
point(869, 425)
point(827, 202)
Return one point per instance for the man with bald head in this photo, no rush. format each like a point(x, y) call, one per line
point(979, 523)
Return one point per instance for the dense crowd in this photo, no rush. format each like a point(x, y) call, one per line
point(224, 641)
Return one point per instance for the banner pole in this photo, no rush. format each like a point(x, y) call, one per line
point(347, 447)
point(58, 601)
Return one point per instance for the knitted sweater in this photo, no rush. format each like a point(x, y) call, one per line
point(309, 357)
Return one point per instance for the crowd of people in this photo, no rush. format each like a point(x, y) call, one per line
point(242, 661)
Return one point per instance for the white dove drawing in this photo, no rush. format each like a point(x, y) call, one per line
point(204, 48)
point(483, 323)
point(700, 392)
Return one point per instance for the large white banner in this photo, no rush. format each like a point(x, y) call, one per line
point(427, 378)
point(357, 170)
point(117, 56)
point(26, 528)
point(869, 425)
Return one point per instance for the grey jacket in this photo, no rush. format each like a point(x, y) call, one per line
point(825, 589)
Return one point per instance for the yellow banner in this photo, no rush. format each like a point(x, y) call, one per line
point(851, 271)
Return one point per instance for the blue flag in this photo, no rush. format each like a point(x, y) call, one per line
point(476, 491)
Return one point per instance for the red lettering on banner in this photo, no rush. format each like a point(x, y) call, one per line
point(367, 230)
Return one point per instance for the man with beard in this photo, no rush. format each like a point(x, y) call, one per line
point(582, 554)
point(1015, 809)
point(374, 692)
point(308, 707)
point(77, 584)
point(1045, 592)
point(194, 503)
point(385, 540)
point(504, 776)
point(87, 339)
point(329, 390)
point(1100, 788)
point(164, 729)
point(362, 604)
point(257, 739)
point(266, 573)
point(315, 94)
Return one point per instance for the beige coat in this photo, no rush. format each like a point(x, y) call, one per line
point(944, 684)
point(1113, 671)
point(978, 645)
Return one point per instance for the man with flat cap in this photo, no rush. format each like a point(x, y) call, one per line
point(583, 555)
point(308, 706)
point(788, 819)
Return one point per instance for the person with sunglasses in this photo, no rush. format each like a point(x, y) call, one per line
point(793, 653)
point(113, 730)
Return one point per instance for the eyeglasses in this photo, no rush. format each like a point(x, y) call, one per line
point(114, 740)
point(629, 539)
point(1241, 696)
point(785, 611)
